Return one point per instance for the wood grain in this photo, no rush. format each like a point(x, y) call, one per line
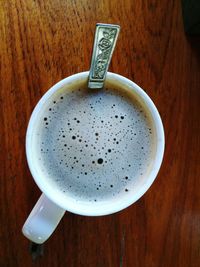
point(42, 42)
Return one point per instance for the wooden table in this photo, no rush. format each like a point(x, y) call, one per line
point(41, 42)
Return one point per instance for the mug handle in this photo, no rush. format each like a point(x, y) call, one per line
point(42, 220)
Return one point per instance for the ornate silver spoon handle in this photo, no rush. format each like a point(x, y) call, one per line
point(104, 44)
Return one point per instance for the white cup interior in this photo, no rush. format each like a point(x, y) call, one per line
point(142, 184)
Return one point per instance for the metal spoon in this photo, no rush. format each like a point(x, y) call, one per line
point(104, 43)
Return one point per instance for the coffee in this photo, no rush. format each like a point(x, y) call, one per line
point(93, 145)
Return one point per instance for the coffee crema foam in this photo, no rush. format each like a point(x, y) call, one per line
point(94, 144)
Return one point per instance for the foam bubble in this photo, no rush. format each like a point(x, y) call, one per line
point(95, 144)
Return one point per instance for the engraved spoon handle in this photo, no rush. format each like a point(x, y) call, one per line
point(104, 44)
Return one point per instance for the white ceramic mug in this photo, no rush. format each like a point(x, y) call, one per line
point(51, 207)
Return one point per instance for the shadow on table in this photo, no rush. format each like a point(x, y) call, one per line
point(194, 42)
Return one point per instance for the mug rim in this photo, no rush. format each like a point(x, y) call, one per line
point(95, 210)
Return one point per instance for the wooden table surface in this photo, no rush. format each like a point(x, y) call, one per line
point(41, 42)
